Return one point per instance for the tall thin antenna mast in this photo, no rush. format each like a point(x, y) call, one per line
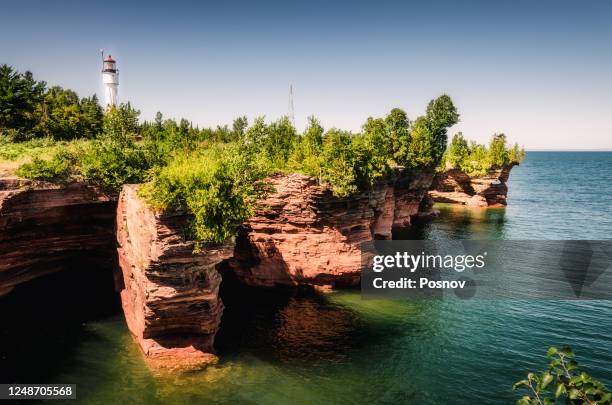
point(102, 55)
point(291, 109)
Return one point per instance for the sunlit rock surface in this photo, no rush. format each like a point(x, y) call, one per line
point(456, 187)
point(171, 295)
point(302, 234)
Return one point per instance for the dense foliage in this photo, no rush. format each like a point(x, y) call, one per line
point(563, 382)
point(476, 160)
point(214, 173)
point(29, 110)
point(109, 161)
point(219, 185)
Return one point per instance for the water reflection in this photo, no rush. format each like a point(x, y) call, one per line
point(285, 325)
point(44, 322)
point(459, 222)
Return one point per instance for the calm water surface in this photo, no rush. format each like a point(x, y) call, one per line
point(338, 348)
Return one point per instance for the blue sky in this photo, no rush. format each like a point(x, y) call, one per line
point(540, 71)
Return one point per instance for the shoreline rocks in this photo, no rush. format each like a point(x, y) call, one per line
point(456, 187)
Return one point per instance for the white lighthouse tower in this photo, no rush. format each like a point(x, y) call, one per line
point(110, 78)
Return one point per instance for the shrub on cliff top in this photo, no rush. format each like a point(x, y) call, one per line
point(215, 173)
point(476, 160)
point(110, 164)
point(57, 169)
point(218, 185)
point(103, 163)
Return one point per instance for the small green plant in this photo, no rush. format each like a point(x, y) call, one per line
point(57, 169)
point(563, 381)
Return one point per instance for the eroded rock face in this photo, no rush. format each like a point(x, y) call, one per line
point(304, 235)
point(454, 186)
point(47, 227)
point(171, 295)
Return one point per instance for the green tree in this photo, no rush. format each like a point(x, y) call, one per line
point(441, 114)
point(90, 124)
point(374, 151)
point(280, 140)
point(20, 96)
point(338, 168)
point(256, 134)
point(478, 162)
point(62, 115)
point(313, 135)
point(516, 154)
point(398, 127)
point(121, 123)
point(421, 150)
point(458, 152)
point(498, 153)
point(239, 126)
point(159, 119)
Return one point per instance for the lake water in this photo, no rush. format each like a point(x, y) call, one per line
point(338, 348)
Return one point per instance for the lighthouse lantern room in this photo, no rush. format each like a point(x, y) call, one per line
point(110, 78)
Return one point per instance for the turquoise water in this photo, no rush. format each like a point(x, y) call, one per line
point(338, 348)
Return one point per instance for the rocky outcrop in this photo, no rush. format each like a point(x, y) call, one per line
point(302, 234)
point(170, 295)
point(47, 227)
point(455, 186)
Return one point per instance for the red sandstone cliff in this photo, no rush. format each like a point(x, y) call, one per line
point(454, 186)
point(301, 234)
point(46, 227)
point(304, 235)
point(171, 295)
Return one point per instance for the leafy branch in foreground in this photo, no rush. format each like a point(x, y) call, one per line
point(563, 381)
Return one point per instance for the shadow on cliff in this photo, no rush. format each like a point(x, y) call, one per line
point(44, 321)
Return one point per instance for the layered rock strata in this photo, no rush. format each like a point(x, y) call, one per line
point(47, 227)
point(456, 187)
point(302, 234)
point(170, 295)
